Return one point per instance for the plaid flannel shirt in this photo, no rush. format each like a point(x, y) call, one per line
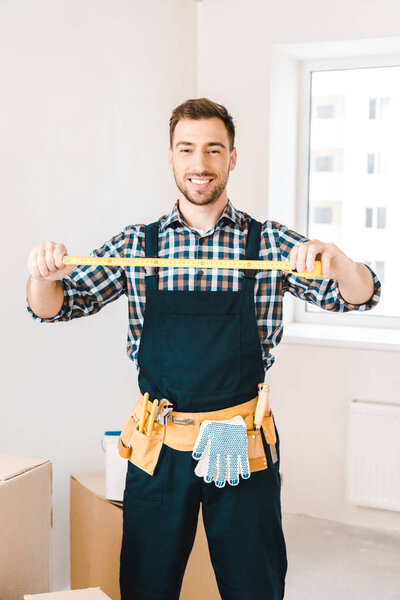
point(89, 288)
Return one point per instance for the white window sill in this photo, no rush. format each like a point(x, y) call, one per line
point(366, 338)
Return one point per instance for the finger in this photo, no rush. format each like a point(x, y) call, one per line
point(222, 468)
point(41, 263)
point(67, 270)
point(326, 264)
point(312, 252)
point(233, 471)
point(60, 251)
point(49, 255)
point(201, 445)
point(32, 265)
point(244, 466)
point(293, 257)
point(301, 257)
point(212, 466)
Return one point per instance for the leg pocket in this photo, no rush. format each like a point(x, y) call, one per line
point(142, 486)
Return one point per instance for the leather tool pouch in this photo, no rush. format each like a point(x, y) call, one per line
point(142, 450)
point(269, 429)
point(255, 450)
point(145, 450)
point(255, 446)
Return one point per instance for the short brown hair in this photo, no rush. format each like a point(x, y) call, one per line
point(202, 108)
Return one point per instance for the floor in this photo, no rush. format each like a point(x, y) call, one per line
point(332, 561)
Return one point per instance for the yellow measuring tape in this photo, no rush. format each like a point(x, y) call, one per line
point(192, 262)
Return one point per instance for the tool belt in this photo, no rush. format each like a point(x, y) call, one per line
point(179, 430)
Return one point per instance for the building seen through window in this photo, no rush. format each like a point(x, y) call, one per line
point(354, 175)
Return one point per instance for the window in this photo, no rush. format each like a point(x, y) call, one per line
point(342, 179)
point(322, 214)
point(380, 269)
point(325, 111)
point(381, 218)
point(375, 217)
point(323, 163)
point(378, 266)
point(373, 163)
point(377, 107)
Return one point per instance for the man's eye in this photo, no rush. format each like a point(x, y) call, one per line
point(185, 150)
point(217, 151)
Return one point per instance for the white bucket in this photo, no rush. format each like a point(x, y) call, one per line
point(115, 467)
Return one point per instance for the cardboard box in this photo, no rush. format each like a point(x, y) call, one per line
point(96, 534)
point(87, 594)
point(25, 526)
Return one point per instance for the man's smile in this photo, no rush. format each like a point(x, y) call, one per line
point(200, 183)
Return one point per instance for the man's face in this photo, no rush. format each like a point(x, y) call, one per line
point(200, 159)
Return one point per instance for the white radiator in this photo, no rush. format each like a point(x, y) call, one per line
point(373, 473)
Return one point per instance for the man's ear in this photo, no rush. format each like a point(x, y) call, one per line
point(233, 159)
point(170, 159)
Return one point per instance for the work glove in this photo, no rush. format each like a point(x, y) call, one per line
point(221, 449)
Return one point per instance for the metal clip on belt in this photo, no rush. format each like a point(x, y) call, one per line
point(180, 420)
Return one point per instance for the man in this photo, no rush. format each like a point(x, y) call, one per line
point(202, 340)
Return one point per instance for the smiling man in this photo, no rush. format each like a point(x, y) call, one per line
point(207, 185)
point(201, 341)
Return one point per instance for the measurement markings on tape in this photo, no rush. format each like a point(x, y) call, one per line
point(192, 262)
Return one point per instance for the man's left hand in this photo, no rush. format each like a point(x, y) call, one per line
point(355, 281)
point(335, 263)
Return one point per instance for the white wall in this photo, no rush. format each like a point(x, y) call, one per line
point(240, 65)
point(87, 88)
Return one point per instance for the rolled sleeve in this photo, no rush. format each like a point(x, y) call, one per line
point(345, 306)
point(90, 287)
point(324, 293)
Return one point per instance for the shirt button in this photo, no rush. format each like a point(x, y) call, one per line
point(200, 272)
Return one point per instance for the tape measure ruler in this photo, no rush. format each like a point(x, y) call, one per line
point(105, 261)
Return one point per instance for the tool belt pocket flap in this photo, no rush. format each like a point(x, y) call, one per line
point(255, 450)
point(145, 450)
point(269, 429)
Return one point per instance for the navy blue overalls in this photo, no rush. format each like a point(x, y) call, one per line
point(201, 350)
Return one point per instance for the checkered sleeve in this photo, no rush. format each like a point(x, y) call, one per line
point(90, 287)
point(321, 292)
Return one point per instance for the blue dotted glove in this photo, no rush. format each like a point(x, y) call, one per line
point(221, 449)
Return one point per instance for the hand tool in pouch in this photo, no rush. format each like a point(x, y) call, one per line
point(144, 410)
point(263, 416)
point(152, 417)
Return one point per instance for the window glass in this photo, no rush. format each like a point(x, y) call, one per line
point(352, 201)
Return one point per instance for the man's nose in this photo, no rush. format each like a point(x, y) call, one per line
point(199, 162)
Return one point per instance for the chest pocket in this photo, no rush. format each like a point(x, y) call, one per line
point(200, 353)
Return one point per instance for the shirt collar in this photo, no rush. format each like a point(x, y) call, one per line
point(229, 212)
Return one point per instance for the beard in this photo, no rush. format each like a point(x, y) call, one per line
point(202, 198)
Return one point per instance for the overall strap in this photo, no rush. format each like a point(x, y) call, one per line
point(252, 251)
point(151, 251)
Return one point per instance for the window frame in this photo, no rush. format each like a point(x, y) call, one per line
point(306, 67)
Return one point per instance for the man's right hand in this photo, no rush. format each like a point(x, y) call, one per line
point(45, 262)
